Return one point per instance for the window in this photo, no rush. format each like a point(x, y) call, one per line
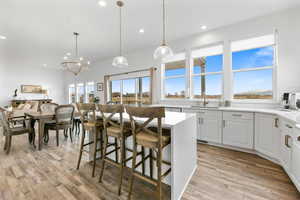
point(80, 92)
point(90, 92)
point(72, 94)
point(131, 90)
point(175, 77)
point(207, 72)
point(253, 63)
point(115, 93)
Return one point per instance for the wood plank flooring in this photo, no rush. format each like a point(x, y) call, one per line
point(50, 174)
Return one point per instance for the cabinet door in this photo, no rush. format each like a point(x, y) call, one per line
point(296, 161)
point(239, 133)
point(210, 126)
point(285, 150)
point(267, 135)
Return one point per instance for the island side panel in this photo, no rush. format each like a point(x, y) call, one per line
point(183, 156)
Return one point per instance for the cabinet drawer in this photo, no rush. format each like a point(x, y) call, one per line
point(286, 127)
point(171, 109)
point(237, 115)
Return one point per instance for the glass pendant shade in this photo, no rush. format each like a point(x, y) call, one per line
point(120, 62)
point(162, 52)
point(75, 64)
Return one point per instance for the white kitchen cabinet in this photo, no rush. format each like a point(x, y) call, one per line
point(238, 129)
point(286, 142)
point(210, 126)
point(267, 135)
point(296, 161)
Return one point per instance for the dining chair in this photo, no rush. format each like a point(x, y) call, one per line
point(155, 139)
point(63, 121)
point(94, 126)
point(116, 129)
point(48, 108)
point(9, 131)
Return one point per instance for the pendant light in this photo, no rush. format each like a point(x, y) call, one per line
point(120, 61)
point(164, 50)
point(75, 64)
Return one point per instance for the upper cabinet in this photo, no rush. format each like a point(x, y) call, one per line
point(238, 129)
point(267, 135)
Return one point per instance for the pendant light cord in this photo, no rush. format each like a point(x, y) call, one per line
point(120, 31)
point(76, 43)
point(164, 23)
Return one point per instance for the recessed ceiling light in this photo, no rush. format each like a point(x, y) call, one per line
point(142, 31)
point(203, 27)
point(68, 54)
point(102, 3)
point(44, 65)
point(2, 37)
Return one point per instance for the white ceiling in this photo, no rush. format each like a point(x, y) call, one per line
point(41, 30)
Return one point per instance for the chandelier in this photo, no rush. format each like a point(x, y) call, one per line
point(75, 64)
point(120, 61)
point(163, 50)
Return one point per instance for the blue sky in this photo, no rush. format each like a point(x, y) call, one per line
point(244, 81)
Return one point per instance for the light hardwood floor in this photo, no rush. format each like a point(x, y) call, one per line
point(50, 174)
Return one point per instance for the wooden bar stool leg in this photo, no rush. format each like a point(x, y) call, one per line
point(8, 144)
point(159, 162)
point(81, 149)
point(95, 150)
point(117, 152)
point(103, 158)
point(57, 137)
point(132, 171)
point(151, 163)
point(71, 132)
point(5, 143)
point(143, 161)
point(122, 146)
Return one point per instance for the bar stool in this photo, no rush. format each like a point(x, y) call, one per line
point(93, 126)
point(120, 132)
point(153, 138)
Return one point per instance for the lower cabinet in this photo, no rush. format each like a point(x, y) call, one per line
point(238, 129)
point(286, 145)
point(267, 135)
point(210, 126)
point(296, 161)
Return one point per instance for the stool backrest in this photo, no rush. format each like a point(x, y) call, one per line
point(108, 111)
point(64, 114)
point(150, 113)
point(87, 112)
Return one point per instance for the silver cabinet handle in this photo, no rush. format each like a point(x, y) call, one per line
point(224, 123)
point(276, 122)
point(237, 115)
point(199, 120)
point(287, 141)
point(288, 126)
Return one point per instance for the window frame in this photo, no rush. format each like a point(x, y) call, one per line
point(273, 67)
point(138, 83)
point(86, 92)
point(69, 93)
point(176, 57)
point(192, 75)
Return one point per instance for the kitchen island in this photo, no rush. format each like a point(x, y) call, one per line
point(182, 152)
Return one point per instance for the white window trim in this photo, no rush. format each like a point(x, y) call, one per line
point(274, 79)
point(86, 92)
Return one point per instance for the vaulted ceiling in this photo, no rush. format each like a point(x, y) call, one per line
point(41, 30)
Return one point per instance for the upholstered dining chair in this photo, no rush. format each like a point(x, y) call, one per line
point(63, 121)
point(10, 131)
point(48, 108)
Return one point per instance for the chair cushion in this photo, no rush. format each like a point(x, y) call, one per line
point(116, 131)
point(151, 140)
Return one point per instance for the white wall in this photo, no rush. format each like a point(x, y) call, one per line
point(15, 73)
point(287, 23)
